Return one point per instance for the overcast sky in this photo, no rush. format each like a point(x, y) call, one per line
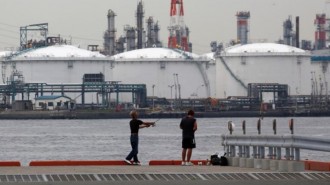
point(208, 20)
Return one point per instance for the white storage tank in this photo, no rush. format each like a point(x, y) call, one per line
point(166, 72)
point(240, 65)
point(320, 72)
point(55, 64)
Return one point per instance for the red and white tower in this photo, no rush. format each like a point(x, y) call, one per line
point(243, 26)
point(320, 32)
point(179, 33)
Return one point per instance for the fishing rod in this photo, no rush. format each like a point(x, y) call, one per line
point(154, 124)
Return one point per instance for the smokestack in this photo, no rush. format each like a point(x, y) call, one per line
point(139, 21)
point(242, 27)
point(297, 32)
point(320, 32)
point(110, 35)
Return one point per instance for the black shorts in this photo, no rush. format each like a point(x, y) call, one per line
point(188, 143)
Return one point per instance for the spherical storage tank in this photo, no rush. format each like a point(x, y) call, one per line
point(240, 65)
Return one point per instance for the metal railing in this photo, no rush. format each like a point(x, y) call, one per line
point(292, 144)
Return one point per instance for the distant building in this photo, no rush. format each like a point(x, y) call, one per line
point(22, 105)
point(53, 103)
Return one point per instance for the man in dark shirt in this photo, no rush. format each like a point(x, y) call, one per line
point(135, 124)
point(189, 126)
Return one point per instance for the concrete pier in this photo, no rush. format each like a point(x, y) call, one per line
point(68, 172)
point(173, 174)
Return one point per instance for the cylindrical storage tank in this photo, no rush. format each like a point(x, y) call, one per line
point(240, 65)
point(167, 73)
point(320, 71)
point(58, 64)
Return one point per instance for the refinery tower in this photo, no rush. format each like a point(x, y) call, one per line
point(134, 37)
point(179, 33)
point(320, 33)
point(242, 27)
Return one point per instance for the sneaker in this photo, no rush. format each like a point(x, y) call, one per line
point(183, 163)
point(189, 164)
point(137, 163)
point(127, 162)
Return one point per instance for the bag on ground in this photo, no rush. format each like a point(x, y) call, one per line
point(215, 160)
point(221, 161)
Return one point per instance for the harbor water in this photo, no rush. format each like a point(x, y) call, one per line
point(108, 139)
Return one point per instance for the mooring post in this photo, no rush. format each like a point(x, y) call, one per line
point(242, 148)
point(232, 151)
point(274, 126)
point(291, 126)
point(230, 127)
point(243, 127)
point(272, 150)
point(259, 126)
point(259, 149)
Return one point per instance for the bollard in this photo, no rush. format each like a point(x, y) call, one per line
point(259, 126)
point(230, 127)
point(243, 127)
point(242, 149)
point(274, 126)
point(291, 125)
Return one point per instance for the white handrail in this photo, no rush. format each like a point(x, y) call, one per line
point(293, 142)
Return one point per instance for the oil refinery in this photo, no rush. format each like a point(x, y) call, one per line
point(136, 70)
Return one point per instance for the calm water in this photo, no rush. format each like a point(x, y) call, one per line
point(27, 140)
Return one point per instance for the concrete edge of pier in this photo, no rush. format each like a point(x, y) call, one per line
point(235, 164)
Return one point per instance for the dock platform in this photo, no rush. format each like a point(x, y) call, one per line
point(163, 174)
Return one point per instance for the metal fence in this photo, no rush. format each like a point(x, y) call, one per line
point(291, 144)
